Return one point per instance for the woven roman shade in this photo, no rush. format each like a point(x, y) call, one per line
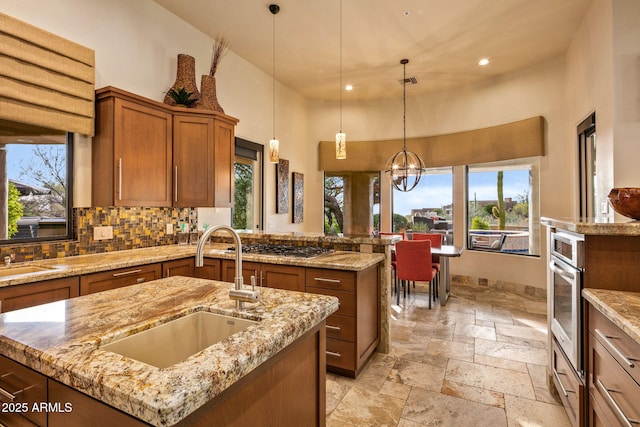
point(45, 80)
point(524, 138)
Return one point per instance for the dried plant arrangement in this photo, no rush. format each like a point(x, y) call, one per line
point(220, 49)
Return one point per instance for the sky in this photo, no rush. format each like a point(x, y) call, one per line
point(19, 157)
point(436, 190)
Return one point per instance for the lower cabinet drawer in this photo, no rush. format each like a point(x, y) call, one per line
point(569, 386)
point(341, 327)
point(29, 389)
point(341, 354)
point(620, 345)
point(346, 300)
point(113, 279)
point(611, 386)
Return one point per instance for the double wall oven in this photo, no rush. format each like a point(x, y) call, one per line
point(565, 270)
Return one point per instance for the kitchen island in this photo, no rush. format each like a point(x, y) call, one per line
point(62, 342)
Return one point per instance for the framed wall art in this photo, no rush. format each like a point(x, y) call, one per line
point(298, 197)
point(282, 186)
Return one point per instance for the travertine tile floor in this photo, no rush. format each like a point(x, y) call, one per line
point(478, 361)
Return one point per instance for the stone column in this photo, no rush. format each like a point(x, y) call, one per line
point(358, 197)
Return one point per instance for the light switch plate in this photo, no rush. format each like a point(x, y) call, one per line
point(169, 228)
point(103, 233)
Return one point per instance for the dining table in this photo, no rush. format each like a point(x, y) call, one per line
point(444, 285)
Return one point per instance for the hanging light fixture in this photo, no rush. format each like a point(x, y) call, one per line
point(341, 137)
point(405, 168)
point(274, 144)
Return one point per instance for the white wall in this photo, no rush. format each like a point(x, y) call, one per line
point(136, 45)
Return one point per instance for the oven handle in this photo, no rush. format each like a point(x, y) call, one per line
point(561, 272)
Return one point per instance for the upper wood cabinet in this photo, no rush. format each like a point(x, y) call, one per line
point(146, 153)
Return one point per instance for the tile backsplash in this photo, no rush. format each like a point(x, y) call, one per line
point(133, 227)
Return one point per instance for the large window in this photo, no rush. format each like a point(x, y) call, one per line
point(501, 207)
point(36, 191)
point(428, 207)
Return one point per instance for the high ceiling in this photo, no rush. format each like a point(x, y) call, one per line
point(443, 40)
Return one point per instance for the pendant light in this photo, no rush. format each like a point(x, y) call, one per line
point(405, 168)
point(341, 137)
point(274, 144)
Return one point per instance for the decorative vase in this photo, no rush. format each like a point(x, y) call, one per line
point(208, 98)
point(185, 78)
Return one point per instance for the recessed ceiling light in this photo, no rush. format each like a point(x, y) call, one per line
point(483, 61)
point(406, 12)
point(348, 87)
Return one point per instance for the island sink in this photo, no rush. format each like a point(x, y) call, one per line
point(173, 342)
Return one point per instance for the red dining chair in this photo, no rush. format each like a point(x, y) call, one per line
point(413, 264)
point(436, 242)
point(393, 258)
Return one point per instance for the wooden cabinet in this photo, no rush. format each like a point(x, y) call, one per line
point(30, 294)
point(570, 387)
point(210, 270)
point(613, 375)
point(179, 267)
point(146, 153)
point(286, 277)
point(131, 152)
point(353, 332)
point(113, 279)
point(22, 388)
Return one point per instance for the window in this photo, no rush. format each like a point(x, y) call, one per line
point(428, 207)
point(351, 203)
point(36, 198)
point(247, 204)
point(502, 207)
point(587, 166)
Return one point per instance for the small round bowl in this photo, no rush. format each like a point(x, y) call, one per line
point(626, 201)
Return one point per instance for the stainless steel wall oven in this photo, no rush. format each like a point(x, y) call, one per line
point(565, 270)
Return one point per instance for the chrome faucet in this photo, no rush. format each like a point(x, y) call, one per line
point(239, 294)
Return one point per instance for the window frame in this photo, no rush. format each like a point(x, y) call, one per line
point(533, 166)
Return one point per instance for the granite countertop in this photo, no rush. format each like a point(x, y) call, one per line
point(595, 226)
point(621, 307)
point(86, 264)
point(61, 340)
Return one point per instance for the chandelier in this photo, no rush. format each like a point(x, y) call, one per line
point(405, 168)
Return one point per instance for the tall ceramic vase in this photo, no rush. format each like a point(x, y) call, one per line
point(208, 98)
point(185, 78)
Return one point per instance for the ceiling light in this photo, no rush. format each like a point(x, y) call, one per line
point(483, 61)
point(341, 137)
point(405, 168)
point(348, 87)
point(274, 144)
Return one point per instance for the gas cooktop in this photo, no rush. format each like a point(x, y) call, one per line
point(284, 250)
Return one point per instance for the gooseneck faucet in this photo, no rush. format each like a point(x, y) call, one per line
point(238, 293)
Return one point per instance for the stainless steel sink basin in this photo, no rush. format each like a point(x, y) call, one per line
point(174, 341)
point(20, 270)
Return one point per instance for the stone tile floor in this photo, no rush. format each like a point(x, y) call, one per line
point(478, 361)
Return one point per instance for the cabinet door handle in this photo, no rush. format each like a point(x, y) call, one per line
point(333, 353)
point(175, 184)
point(120, 178)
point(11, 395)
point(333, 328)
point(619, 412)
point(606, 340)
point(126, 273)
point(323, 279)
point(563, 389)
